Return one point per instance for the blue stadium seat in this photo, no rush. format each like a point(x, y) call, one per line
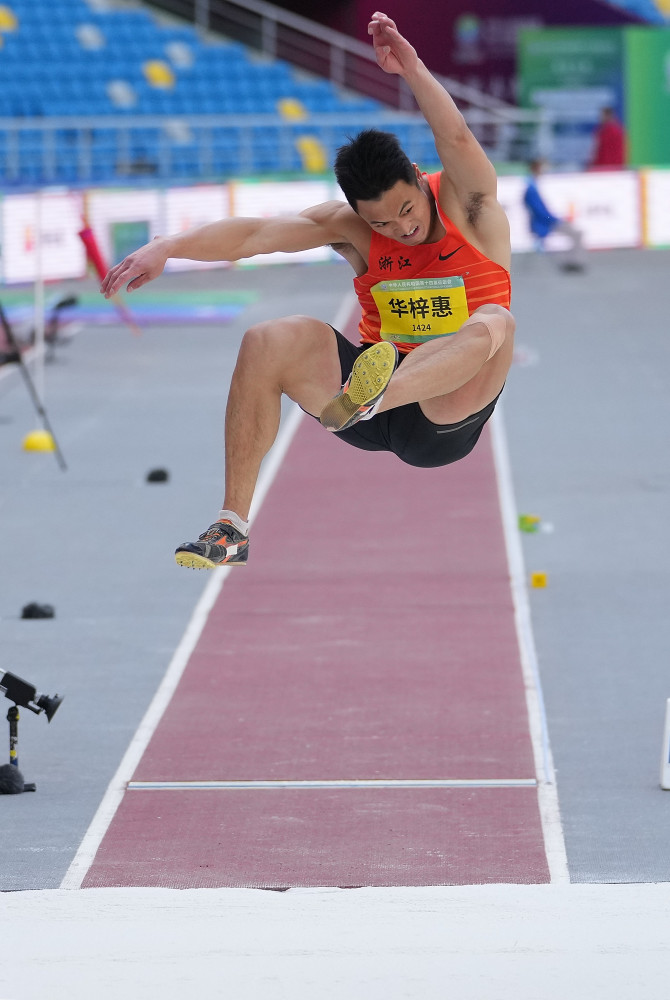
point(45, 71)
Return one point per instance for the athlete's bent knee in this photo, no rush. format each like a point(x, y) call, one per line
point(498, 321)
point(257, 336)
point(267, 336)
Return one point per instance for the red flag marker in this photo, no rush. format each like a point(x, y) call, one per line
point(94, 256)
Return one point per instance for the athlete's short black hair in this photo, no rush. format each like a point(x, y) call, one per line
point(371, 164)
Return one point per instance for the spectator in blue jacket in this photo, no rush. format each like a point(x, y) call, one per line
point(542, 221)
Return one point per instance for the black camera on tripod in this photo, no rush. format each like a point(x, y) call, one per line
point(24, 694)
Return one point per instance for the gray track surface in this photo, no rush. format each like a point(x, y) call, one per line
point(586, 412)
point(588, 428)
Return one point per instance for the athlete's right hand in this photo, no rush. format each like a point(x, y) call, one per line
point(394, 53)
point(137, 268)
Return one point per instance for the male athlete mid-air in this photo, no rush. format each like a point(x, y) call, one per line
point(431, 256)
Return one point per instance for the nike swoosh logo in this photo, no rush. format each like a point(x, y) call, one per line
point(448, 255)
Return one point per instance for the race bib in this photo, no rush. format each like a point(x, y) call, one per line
point(417, 309)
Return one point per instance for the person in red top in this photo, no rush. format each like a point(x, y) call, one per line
point(609, 149)
point(431, 256)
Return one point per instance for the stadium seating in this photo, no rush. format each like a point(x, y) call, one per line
point(62, 58)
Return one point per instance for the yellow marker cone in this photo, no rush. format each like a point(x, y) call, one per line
point(39, 441)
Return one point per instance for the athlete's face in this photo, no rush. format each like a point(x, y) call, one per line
point(403, 213)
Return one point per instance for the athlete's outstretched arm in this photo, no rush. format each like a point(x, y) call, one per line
point(227, 239)
point(464, 161)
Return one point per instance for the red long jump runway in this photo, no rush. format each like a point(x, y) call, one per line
point(354, 710)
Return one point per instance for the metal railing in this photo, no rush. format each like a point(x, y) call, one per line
point(110, 149)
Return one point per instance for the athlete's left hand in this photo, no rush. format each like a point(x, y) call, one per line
point(394, 53)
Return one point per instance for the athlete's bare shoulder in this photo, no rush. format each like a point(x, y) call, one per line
point(337, 215)
point(350, 234)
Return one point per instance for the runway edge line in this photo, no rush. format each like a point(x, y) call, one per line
point(552, 828)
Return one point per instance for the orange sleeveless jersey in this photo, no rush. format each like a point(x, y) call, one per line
point(410, 295)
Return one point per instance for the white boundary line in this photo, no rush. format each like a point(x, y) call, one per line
point(111, 801)
point(343, 783)
point(552, 829)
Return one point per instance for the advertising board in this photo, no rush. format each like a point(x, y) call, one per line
point(115, 214)
point(656, 202)
point(624, 208)
point(605, 206)
point(57, 216)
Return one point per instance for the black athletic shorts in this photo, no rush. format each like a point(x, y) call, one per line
point(405, 431)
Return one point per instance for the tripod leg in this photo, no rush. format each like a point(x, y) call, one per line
point(13, 719)
point(11, 780)
point(31, 388)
